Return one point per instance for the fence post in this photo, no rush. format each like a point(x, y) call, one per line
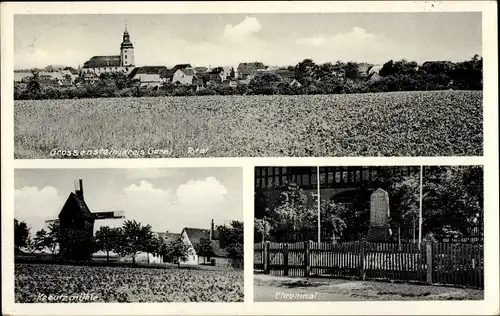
point(285, 259)
point(362, 260)
point(267, 258)
point(430, 259)
point(307, 263)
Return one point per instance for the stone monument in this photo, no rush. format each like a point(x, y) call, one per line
point(379, 217)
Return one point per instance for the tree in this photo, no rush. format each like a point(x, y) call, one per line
point(231, 239)
point(31, 245)
point(178, 250)
point(263, 227)
point(53, 237)
point(40, 239)
point(34, 87)
point(21, 235)
point(107, 239)
point(135, 238)
point(331, 218)
point(205, 249)
point(305, 72)
point(153, 246)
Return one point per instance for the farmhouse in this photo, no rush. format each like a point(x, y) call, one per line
point(118, 63)
point(247, 69)
point(183, 74)
point(149, 76)
point(193, 236)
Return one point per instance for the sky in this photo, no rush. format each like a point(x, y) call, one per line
point(167, 199)
point(228, 39)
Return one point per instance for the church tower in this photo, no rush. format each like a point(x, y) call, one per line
point(126, 50)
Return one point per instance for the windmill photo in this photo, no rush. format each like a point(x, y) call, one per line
point(76, 221)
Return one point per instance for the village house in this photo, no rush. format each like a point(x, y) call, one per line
point(247, 69)
point(182, 74)
point(148, 76)
point(193, 236)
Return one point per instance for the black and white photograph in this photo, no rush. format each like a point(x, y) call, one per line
point(128, 235)
point(360, 233)
point(248, 85)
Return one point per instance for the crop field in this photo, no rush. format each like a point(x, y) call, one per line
point(38, 283)
point(429, 123)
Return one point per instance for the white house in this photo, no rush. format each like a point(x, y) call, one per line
point(193, 236)
point(149, 76)
point(184, 76)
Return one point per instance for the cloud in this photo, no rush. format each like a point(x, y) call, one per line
point(243, 30)
point(152, 173)
point(34, 206)
point(204, 192)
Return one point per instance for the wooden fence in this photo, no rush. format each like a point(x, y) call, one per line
point(440, 263)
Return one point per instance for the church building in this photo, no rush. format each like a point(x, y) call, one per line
point(119, 63)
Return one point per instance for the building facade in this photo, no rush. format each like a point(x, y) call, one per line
point(123, 63)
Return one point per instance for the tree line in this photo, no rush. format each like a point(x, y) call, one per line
point(452, 208)
point(126, 241)
point(312, 78)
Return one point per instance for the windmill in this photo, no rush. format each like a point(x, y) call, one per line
point(75, 205)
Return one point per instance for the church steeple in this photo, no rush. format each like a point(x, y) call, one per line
point(126, 50)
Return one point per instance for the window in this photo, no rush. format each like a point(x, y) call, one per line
point(322, 177)
point(305, 179)
point(257, 182)
point(257, 172)
point(330, 177)
point(366, 175)
point(125, 56)
point(264, 172)
point(314, 180)
point(283, 180)
point(345, 177)
point(263, 184)
point(337, 177)
point(276, 171)
point(299, 179)
point(270, 182)
point(283, 170)
point(270, 171)
point(277, 180)
point(358, 176)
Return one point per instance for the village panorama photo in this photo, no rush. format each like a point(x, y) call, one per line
point(248, 85)
point(363, 233)
point(128, 235)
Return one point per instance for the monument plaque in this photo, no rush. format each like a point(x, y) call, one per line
point(379, 216)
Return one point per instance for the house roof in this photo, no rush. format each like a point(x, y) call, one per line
point(103, 61)
point(181, 66)
point(248, 68)
point(196, 234)
point(72, 70)
point(148, 70)
point(285, 74)
point(19, 76)
point(200, 69)
point(188, 71)
point(167, 237)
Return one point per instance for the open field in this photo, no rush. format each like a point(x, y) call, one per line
point(434, 123)
point(38, 282)
point(271, 289)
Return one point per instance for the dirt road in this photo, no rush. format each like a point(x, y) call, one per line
point(277, 289)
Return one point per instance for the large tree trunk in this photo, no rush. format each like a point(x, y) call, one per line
point(107, 256)
point(148, 257)
point(178, 262)
point(133, 259)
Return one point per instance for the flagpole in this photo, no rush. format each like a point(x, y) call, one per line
point(420, 207)
point(319, 206)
